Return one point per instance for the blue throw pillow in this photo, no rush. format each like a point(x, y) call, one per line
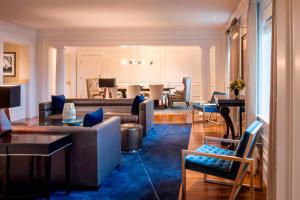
point(136, 103)
point(58, 103)
point(93, 118)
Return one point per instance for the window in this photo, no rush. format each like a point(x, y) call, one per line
point(264, 69)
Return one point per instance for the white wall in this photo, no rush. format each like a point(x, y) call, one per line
point(27, 37)
point(170, 65)
point(102, 38)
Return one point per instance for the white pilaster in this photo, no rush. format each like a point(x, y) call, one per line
point(60, 70)
point(206, 72)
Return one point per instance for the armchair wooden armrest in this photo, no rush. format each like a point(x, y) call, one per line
point(216, 139)
point(223, 157)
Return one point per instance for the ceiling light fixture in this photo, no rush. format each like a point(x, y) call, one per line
point(135, 59)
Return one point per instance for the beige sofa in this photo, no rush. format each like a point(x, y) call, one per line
point(95, 153)
point(111, 107)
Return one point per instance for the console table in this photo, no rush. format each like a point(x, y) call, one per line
point(223, 103)
point(35, 145)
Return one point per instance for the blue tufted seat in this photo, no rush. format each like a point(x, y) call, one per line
point(207, 165)
point(224, 163)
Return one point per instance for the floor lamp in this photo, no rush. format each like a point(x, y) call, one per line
point(10, 96)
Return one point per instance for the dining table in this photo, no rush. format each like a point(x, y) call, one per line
point(143, 89)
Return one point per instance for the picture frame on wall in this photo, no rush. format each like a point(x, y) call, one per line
point(9, 64)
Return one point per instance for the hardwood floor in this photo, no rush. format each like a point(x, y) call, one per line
point(196, 188)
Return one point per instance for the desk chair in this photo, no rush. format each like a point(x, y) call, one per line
point(207, 107)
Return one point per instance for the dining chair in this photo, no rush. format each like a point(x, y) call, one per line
point(114, 93)
point(156, 92)
point(93, 91)
point(227, 164)
point(182, 95)
point(133, 91)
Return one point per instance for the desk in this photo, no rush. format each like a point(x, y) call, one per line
point(223, 103)
point(35, 145)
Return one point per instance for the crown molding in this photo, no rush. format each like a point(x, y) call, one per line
point(240, 11)
point(10, 27)
point(130, 34)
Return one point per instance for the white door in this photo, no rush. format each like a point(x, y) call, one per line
point(89, 66)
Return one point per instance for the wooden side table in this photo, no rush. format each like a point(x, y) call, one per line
point(35, 145)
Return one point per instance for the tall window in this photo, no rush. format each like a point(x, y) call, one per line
point(264, 68)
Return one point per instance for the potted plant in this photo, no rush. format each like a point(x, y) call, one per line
point(236, 86)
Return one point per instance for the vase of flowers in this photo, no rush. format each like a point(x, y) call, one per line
point(236, 86)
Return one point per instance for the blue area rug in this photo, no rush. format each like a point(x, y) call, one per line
point(152, 173)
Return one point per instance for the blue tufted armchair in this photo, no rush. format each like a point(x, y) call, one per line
point(224, 163)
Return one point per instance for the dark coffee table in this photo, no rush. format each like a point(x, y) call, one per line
point(35, 145)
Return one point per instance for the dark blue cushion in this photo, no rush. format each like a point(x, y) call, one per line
point(93, 118)
point(206, 108)
point(212, 166)
point(136, 103)
point(58, 103)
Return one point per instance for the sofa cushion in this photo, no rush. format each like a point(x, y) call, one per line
point(136, 103)
point(125, 117)
point(5, 125)
point(93, 118)
point(58, 103)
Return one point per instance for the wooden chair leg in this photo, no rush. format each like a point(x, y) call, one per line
point(193, 114)
point(233, 191)
point(183, 172)
point(251, 181)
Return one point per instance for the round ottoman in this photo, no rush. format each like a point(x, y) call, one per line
point(131, 137)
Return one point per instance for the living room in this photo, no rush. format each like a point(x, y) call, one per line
point(149, 99)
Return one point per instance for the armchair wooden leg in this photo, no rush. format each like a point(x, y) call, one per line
point(183, 172)
point(205, 178)
point(251, 181)
point(193, 114)
point(233, 191)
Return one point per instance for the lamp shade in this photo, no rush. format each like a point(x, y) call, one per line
point(107, 82)
point(10, 96)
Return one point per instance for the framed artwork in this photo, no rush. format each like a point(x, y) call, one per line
point(244, 56)
point(9, 64)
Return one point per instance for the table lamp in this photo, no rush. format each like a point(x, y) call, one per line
point(10, 96)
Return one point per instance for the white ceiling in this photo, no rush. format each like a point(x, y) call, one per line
point(101, 14)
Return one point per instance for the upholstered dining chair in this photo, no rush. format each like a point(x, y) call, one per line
point(224, 163)
point(93, 91)
point(156, 92)
point(133, 91)
point(207, 107)
point(183, 95)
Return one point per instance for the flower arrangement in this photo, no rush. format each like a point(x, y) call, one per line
point(237, 86)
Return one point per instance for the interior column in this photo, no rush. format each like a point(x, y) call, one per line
point(206, 72)
point(60, 70)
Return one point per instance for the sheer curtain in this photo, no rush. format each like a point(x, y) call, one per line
point(251, 76)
